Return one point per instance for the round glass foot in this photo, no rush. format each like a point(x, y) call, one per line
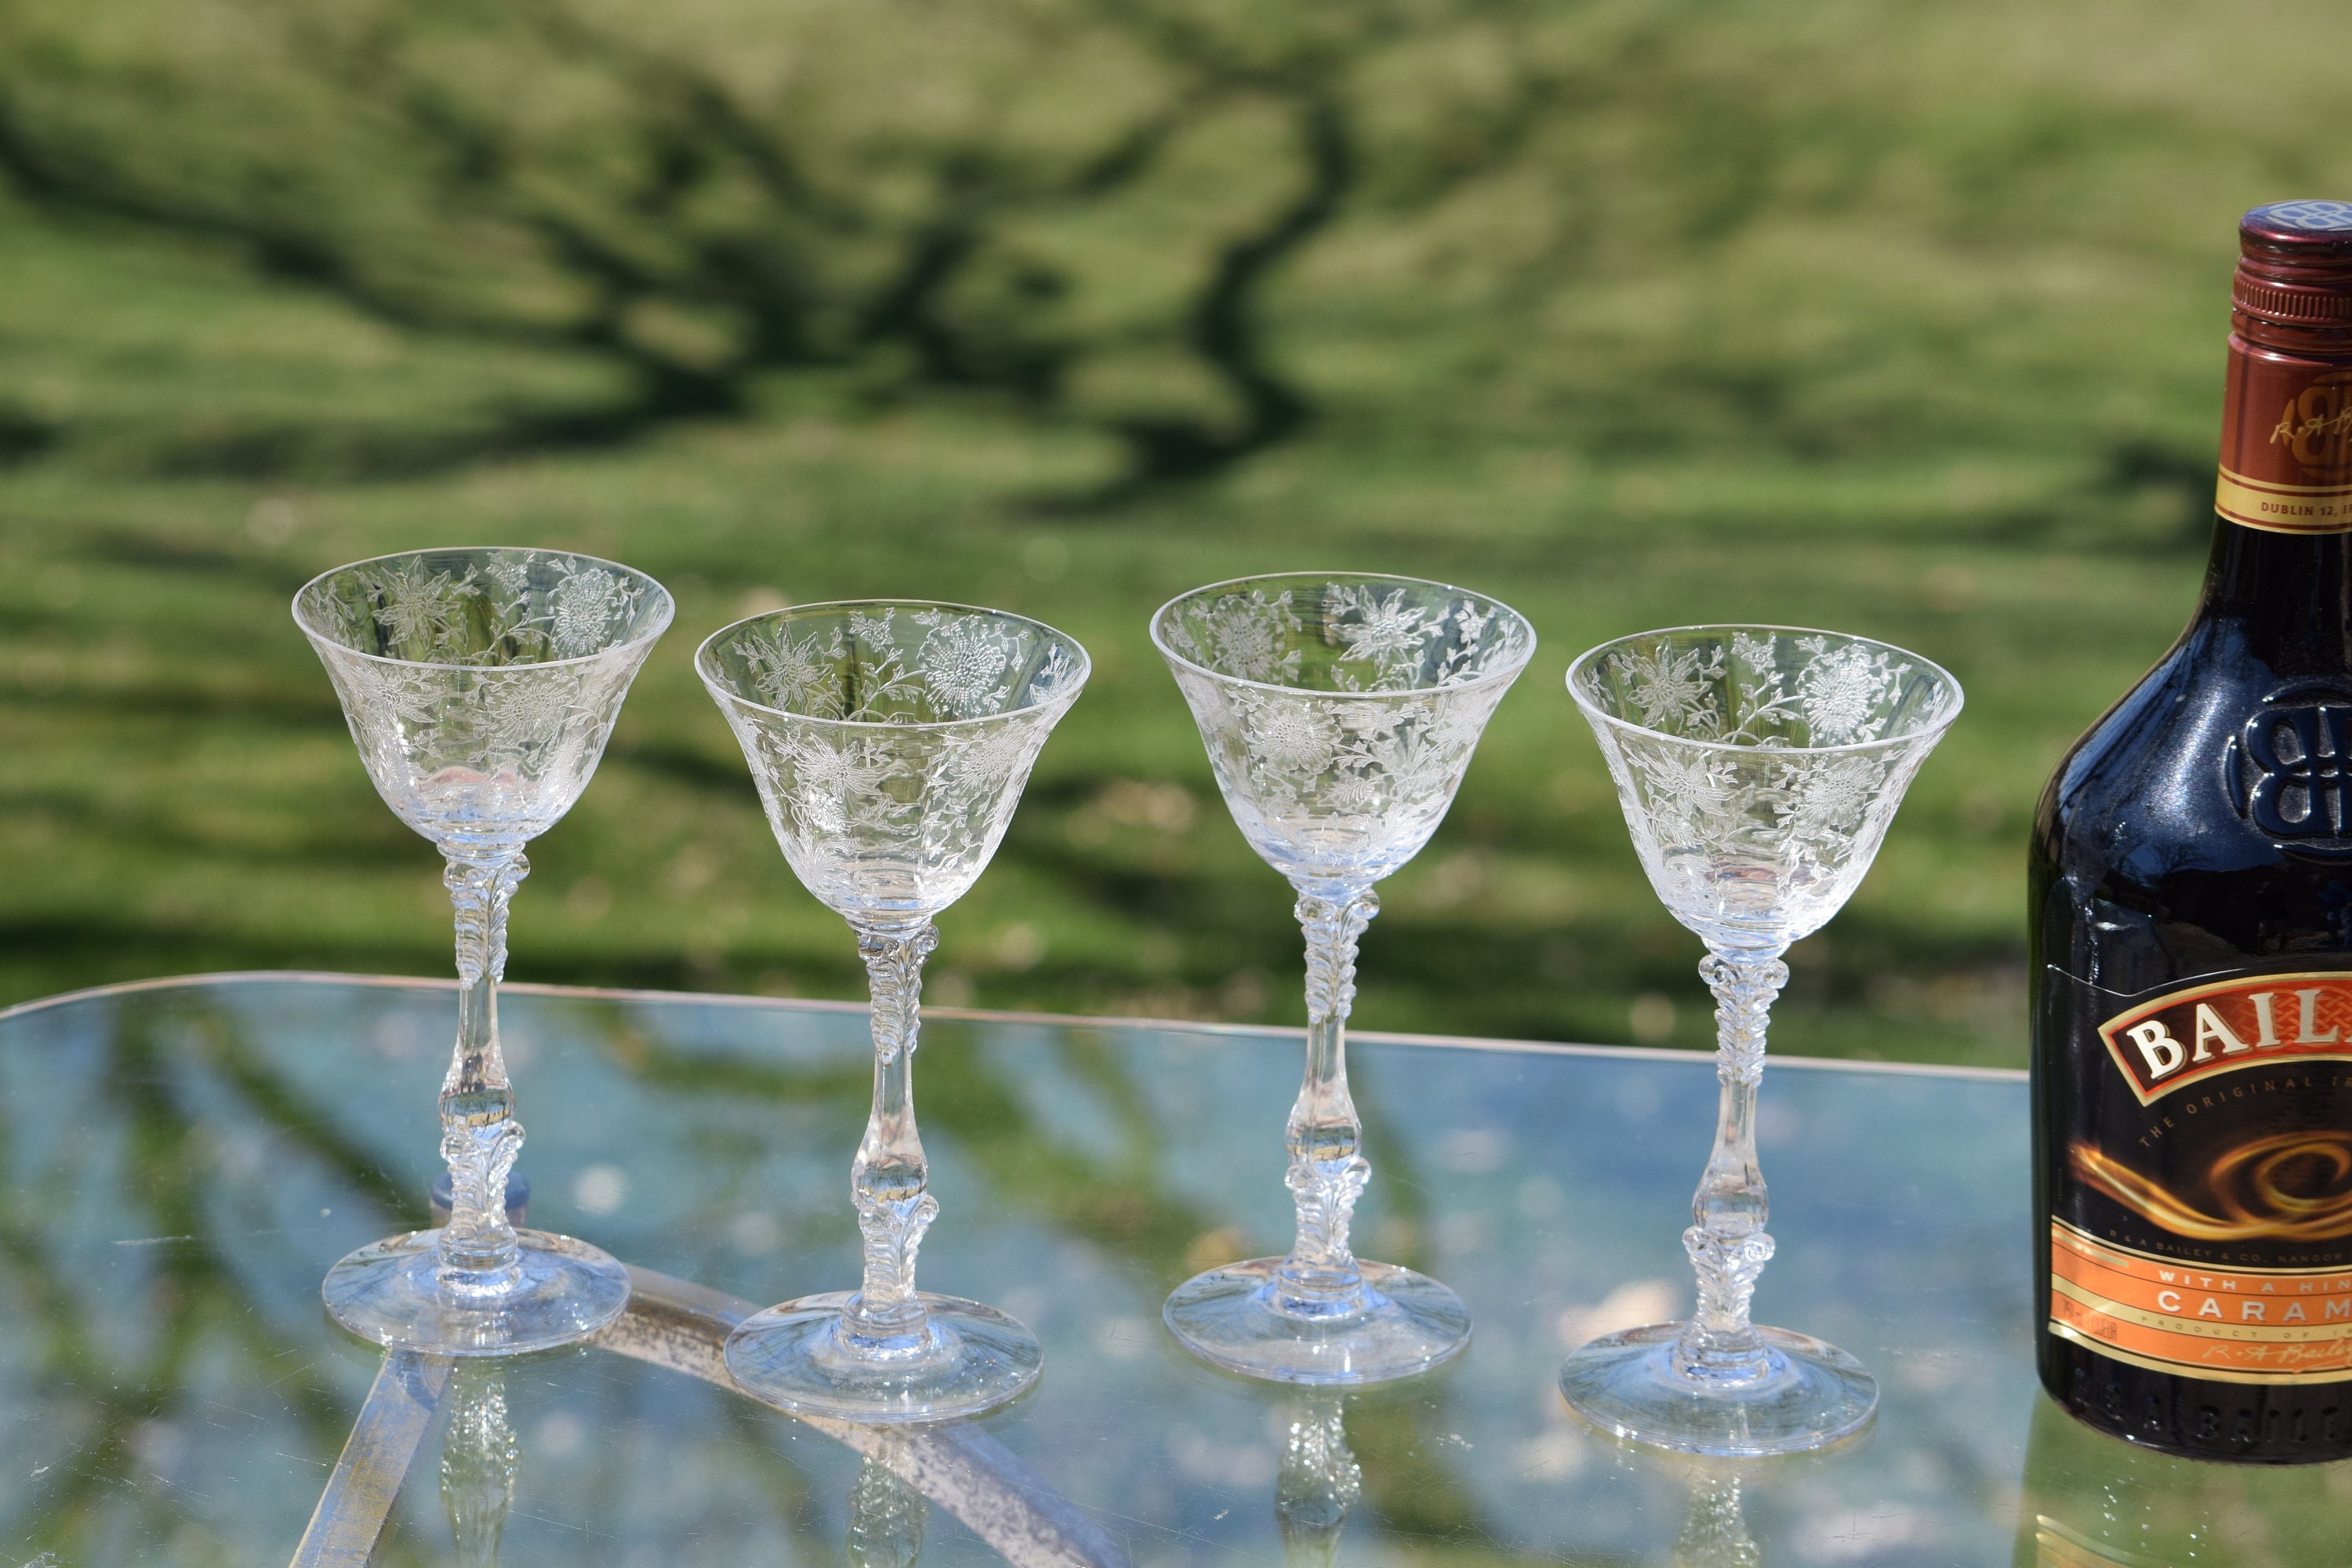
point(1810, 1395)
point(793, 1357)
point(389, 1291)
point(1408, 1323)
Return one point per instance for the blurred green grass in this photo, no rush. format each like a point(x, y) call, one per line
point(1906, 321)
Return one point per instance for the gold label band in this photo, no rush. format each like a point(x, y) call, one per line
point(2283, 508)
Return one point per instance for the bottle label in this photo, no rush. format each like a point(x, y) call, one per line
point(2286, 443)
point(2231, 1324)
point(2184, 1036)
point(2201, 1197)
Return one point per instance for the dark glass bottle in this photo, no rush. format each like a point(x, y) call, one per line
point(2191, 941)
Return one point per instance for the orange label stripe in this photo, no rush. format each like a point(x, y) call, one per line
point(2191, 1354)
point(2209, 1325)
point(2254, 1324)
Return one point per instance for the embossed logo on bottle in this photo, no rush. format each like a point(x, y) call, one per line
point(2315, 427)
point(2289, 769)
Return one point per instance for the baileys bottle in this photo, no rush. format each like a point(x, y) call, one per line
point(2190, 936)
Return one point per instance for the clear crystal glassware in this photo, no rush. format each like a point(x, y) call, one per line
point(1759, 768)
point(1340, 712)
point(890, 742)
point(480, 686)
point(1319, 1482)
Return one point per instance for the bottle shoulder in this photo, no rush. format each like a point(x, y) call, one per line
point(2207, 817)
point(2139, 760)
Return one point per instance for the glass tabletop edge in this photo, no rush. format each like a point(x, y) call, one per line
point(979, 1015)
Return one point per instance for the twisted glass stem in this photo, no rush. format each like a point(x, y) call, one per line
point(479, 1136)
point(885, 1515)
point(1714, 1527)
point(890, 1177)
point(1319, 1481)
point(1328, 1171)
point(1728, 1247)
point(478, 1463)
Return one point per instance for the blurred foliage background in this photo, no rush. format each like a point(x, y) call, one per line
point(1904, 319)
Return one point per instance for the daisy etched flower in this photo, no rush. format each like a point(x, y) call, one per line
point(961, 661)
point(581, 606)
point(418, 607)
point(836, 783)
point(1830, 801)
point(1378, 627)
point(1843, 690)
point(1683, 788)
point(789, 672)
point(1291, 736)
point(1249, 634)
point(1674, 690)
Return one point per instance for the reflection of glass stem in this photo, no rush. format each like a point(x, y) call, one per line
point(1714, 1528)
point(478, 1463)
point(479, 1136)
point(885, 1514)
point(1728, 1247)
point(888, 1178)
point(1327, 1170)
point(1319, 1482)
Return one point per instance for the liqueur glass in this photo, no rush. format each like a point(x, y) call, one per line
point(1759, 768)
point(480, 686)
point(1340, 713)
point(890, 742)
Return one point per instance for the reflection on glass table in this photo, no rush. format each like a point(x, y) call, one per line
point(182, 1160)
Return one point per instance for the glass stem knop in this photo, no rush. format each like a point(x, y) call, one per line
point(1728, 1247)
point(889, 1178)
point(1327, 1170)
point(479, 1136)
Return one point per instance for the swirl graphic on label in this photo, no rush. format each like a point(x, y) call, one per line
point(2289, 1186)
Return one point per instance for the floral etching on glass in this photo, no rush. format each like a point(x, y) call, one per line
point(480, 687)
point(890, 744)
point(1759, 771)
point(1338, 715)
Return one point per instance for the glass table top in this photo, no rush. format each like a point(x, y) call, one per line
point(183, 1160)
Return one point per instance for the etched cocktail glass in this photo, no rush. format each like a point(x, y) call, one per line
point(480, 686)
point(890, 742)
point(1340, 712)
point(1759, 768)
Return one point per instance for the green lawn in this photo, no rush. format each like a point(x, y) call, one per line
point(1940, 365)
